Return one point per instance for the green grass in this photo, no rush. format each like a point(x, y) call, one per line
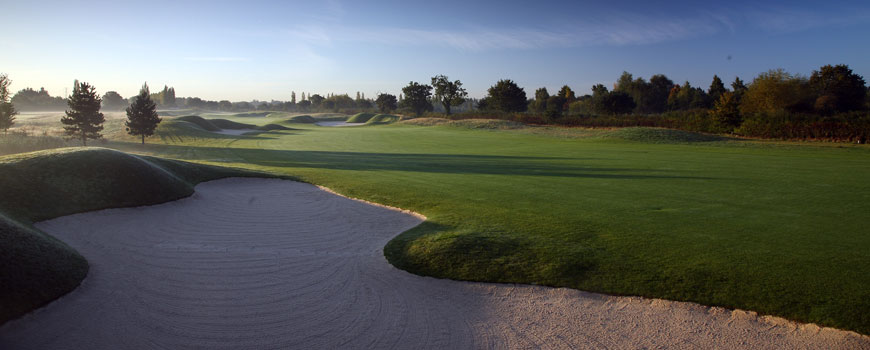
point(660, 135)
point(778, 228)
point(36, 268)
point(382, 119)
point(360, 117)
point(307, 119)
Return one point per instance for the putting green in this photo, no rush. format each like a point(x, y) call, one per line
point(770, 227)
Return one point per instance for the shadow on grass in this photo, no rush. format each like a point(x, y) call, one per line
point(413, 162)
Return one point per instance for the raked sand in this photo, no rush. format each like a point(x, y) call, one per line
point(264, 263)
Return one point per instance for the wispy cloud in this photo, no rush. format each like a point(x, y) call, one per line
point(215, 59)
point(613, 30)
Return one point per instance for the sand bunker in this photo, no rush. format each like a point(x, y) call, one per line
point(264, 263)
point(338, 124)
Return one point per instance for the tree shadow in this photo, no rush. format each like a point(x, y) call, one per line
point(415, 162)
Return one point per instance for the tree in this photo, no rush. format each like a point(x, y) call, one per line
point(448, 93)
point(293, 97)
point(726, 111)
point(554, 106)
point(32, 100)
point(417, 98)
point(837, 89)
point(776, 91)
point(659, 88)
point(113, 101)
point(568, 94)
point(7, 110)
point(717, 88)
point(506, 96)
point(541, 97)
point(386, 103)
point(610, 102)
point(142, 116)
point(83, 118)
point(316, 100)
point(738, 86)
point(304, 105)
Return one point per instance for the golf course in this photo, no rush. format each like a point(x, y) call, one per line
point(772, 227)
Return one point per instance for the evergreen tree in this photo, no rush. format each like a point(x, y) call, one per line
point(507, 97)
point(142, 116)
point(83, 118)
point(7, 110)
point(726, 112)
point(293, 97)
point(717, 88)
point(738, 86)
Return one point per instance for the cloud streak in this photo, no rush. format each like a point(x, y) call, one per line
point(623, 29)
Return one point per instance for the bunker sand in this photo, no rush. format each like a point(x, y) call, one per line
point(265, 263)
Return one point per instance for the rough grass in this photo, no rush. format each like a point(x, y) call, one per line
point(360, 117)
point(775, 229)
point(19, 143)
point(661, 135)
point(36, 268)
point(465, 123)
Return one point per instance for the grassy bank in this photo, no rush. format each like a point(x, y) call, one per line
point(36, 268)
point(777, 228)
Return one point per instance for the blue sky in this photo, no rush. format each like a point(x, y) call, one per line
point(244, 50)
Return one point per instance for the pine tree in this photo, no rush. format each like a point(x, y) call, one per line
point(293, 97)
point(7, 110)
point(717, 88)
point(83, 119)
point(142, 116)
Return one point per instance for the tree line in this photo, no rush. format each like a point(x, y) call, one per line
point(832, 103)
point(83, 119)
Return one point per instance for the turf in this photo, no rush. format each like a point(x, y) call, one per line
point(306, 119)
point(383, 119)
point(360, 117)
point(770, 227)
point(36, 268)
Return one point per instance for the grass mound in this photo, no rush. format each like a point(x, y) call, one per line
point(383, 119)
point(660, 135)
point(231, 125)
point(252, 114)
point(203, 123)
point(215, 124)
point(36, 268)
point(360, 117)
point(302, 119)
point(272, 127)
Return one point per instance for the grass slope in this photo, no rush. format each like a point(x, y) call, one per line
point(773, 227)
point(360, 117)
point(383, 119)
point(36, 268)
point(307, 119)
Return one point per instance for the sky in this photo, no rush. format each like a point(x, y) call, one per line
point(263, 50)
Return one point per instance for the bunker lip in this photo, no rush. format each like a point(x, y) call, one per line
point(268, 263)
point(337, 124)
